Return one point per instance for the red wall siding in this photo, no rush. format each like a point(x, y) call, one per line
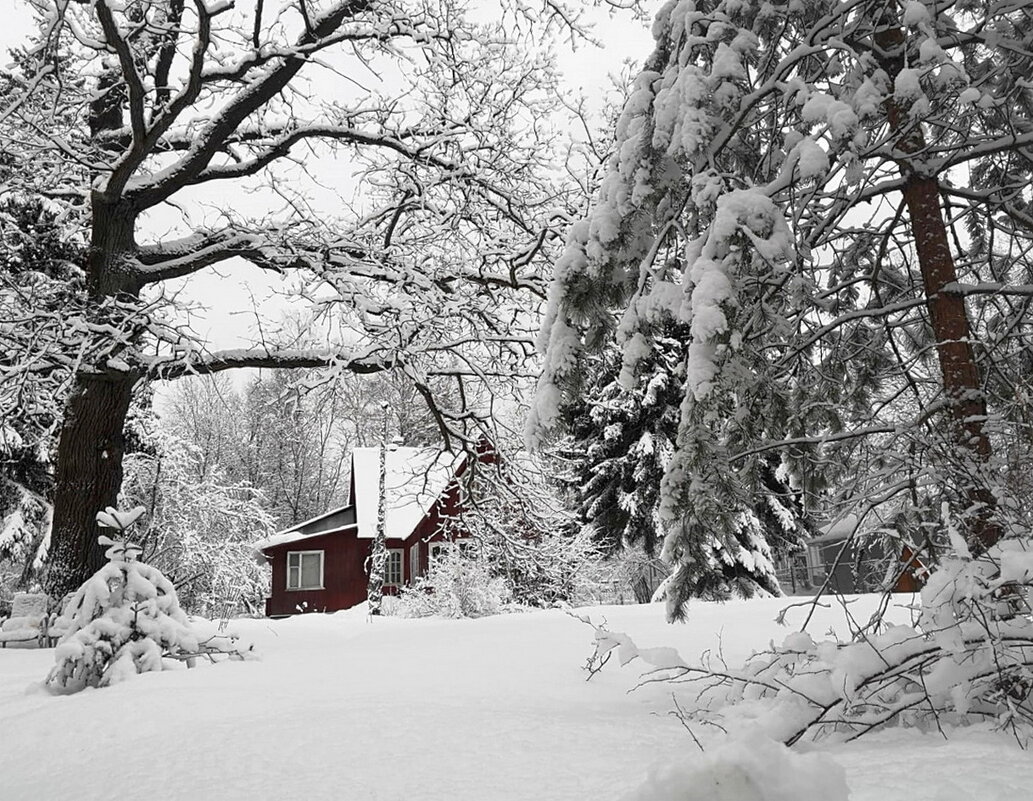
point(344, 575)
point(431, 528)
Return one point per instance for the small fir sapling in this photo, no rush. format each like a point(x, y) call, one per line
point(124, 620)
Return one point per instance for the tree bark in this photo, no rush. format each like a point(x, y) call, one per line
point(378, 549)
point(88, 477)
point(948, 316)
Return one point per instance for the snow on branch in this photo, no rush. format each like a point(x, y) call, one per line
point(968, 659)
point(170, 367)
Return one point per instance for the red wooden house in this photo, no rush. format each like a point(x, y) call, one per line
point(321, 565)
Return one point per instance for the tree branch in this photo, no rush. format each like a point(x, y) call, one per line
point(156, 188)
point(137, 93)
point(170, 367)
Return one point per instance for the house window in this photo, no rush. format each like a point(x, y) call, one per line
point(304, 570)
point(393, 568)
point(466, 547)
point(437, 549)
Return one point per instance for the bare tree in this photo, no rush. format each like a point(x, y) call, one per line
point(120, 109)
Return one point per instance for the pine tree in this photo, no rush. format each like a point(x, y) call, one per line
point(620, 441)
point(122, 620)
point(41, 285)
point(832, 200)
point(622, 434)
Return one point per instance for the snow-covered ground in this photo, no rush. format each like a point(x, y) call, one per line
point(339, 707)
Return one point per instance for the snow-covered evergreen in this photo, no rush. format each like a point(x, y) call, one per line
point(622, 433)
point(122, 621)
point(126, 619)
point(753, 201)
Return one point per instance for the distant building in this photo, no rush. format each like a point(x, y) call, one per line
point(846, 562)
point(321, 565)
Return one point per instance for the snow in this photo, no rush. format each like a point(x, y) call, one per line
point(907, 86)
point(464, 710)
point(840, 117)
point(726, 64)
point(969, 96)
point(915, 14)
point(753, 769)
point(812, 160)
point(416, 477)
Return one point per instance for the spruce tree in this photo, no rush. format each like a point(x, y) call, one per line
point(832, 200)
point(122, 621)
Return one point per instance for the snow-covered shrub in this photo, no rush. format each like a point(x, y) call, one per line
point(200, 526)
point(527, 535)
point(457, 584)
point(968, 657)
point(546, 570)
point(124, 620)
point(752, 769)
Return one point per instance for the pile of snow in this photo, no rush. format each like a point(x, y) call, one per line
point(752, 769)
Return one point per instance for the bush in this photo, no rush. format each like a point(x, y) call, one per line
point(456, 585)
point(967, 658)
point(121, 622)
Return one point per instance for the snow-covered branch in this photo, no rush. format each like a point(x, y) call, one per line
point(167, 368)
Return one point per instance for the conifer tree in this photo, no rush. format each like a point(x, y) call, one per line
point(622, 437)
point(832, 199)
point(122, 620)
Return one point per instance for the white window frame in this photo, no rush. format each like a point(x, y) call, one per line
point(414, 562)
point(401, 568)
point(301, 555)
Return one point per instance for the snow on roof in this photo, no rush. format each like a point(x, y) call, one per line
point(837, 530)
point(416, 477)
point(294, 535)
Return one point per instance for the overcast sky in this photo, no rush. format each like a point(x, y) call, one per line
point(233, 294)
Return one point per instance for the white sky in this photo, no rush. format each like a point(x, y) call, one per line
point(236, 293)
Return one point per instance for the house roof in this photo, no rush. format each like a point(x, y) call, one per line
point(294, 535)
point(836, 531)
point(415, 479)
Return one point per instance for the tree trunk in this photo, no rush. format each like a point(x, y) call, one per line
point(378, 550)
point(947, 314)
point(88, 477)
point(88, 473)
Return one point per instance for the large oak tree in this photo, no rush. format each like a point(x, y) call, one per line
point(124, 108)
